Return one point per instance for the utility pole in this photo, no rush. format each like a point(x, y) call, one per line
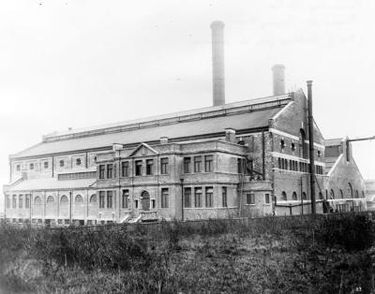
point(311, 145)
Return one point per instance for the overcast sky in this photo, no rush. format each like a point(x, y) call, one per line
point(82, 63)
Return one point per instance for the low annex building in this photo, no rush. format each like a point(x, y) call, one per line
point(249, 158)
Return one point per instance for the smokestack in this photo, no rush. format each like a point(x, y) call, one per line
point(278, 79)
point(218, 82)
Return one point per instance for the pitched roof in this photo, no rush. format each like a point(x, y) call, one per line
point(202, 125)
point(333, 141)
point(51, 183)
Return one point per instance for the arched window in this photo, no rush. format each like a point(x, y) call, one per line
point(356, 194)
point(78, 199)
point(64, 199)
point(303, 145)
point(304, 197)
point(350, 190)
point(283, 196)
point(341, 194)
point(37, 200)
point(50, 199)
point(331, 194)
point(93, 198)
point(294, 196)
point(320, 195)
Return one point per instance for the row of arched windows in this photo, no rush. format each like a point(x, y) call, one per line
point(64, 199)
point(329, 195)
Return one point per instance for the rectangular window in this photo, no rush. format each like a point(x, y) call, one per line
point(8, 201)
point(240, 165)
point(125, 168)
point(187, 197)
point(164, 198)
point(209, 196)
point(109, 199)
point(267, 198)
point(149, 166)
point(138, 167)
point(20, 201)
point(197, 164)
point(125, 198)
point(46, 164)
point(27, 201)
point(31, 166)
point(109, 171)
point(101, 199)
point(224, 197)
point(153, 203)
point(198, 197)
point(164, 166)
point(187, 165)
point(208, 163)
point(14, 203)
point(250, 198)
point(101, 171)
point(136, 204)
point(18, 167)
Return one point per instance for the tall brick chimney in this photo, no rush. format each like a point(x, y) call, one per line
point(218, 82)
point(278, 79)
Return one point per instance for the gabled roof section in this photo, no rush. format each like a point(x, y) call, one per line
point(205, 122)
point(141, 146)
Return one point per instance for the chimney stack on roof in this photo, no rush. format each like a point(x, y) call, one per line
point(278, 79)
point(218, 82)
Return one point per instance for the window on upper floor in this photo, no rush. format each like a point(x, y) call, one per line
point(109, 171)
point(149, 166)
point(282, 144)
point(164, 198)
point(78, 161)
point(138, 167)
point(208, 163)
point(125, 168)
point(187, 165)
point(303, 144)
point(31, 166)
point(101, 171)
point(319, 153)
point(293, 147)
point(45, 164)
point(164, 165)
point(18, 167)
point(27, 201)
point(283, 196)
point(62, 163)
point(197, 164)
point(294, 195)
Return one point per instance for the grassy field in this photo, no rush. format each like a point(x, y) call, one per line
point(273, 255)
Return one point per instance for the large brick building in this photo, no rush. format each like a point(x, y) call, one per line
point(249, 158)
